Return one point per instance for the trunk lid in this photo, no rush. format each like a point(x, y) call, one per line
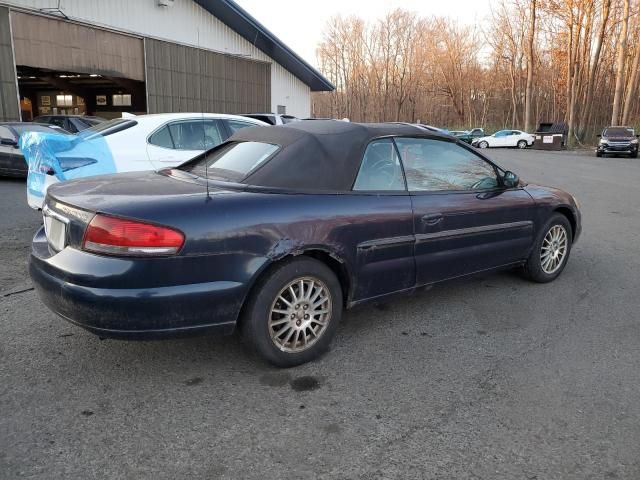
point(129, 192)
point(165, 197)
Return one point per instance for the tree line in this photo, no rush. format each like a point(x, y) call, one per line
point(530, 61)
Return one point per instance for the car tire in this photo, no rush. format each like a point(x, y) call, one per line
point(544, 264)
point(522, 144)
point(634, 155)
point(268, 322)
point(483, 144)
point(599, 154)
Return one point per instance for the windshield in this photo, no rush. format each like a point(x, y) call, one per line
point(111, 126)
point(92, 121)
point(31, 127)
point(618, 132)
point(232, 161)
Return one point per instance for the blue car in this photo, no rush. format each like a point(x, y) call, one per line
point(277, 230)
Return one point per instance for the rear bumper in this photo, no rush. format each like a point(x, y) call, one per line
point(13, 167)
point(12, 172)
point(131, 313)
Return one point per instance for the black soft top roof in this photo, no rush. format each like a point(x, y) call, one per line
point(320, 155)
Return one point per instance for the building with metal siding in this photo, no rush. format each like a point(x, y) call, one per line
point(206, 53)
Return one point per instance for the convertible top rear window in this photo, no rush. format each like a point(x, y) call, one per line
point(232, 161)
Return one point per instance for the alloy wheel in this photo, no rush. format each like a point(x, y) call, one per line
point(554, 249)
point(300, 314)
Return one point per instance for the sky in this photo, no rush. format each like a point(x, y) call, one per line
point(300, 23)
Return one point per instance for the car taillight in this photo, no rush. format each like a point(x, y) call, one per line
point(117, 236)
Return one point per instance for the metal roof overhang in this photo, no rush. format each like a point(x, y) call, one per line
point(236, 18)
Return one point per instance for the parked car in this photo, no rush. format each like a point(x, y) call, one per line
point(424, 127)
point(12, 162)
point(70, 123)
point(505, 138)
point(618, 140)
point(471, 135)
point(279, 228)
point(144, 142)
point(272, 118)
point(430, 128)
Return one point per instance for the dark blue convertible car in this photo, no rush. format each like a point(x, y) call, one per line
point(277, 230)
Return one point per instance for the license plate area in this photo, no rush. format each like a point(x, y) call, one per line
point(55, 227)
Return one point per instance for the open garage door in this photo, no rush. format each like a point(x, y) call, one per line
point(67, 68)
point(52, 44)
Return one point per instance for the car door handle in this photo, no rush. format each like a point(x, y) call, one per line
point(432, 219)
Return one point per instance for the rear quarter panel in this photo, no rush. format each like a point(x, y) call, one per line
point(234, 236)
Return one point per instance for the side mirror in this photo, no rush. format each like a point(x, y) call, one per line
point(8, 142)
point(510, 179)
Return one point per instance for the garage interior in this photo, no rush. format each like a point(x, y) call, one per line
point(51, 92)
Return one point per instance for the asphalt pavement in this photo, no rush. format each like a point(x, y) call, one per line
point(489, 378)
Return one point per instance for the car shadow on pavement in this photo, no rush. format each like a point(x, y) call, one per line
point(444, 310)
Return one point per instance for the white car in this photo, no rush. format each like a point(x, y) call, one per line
point(132, 143)
point(272, 118)
point(505, 138)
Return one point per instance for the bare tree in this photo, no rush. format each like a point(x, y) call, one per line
point(634, 73)
point(535, 60)
point(620, 66)
point(528, 98)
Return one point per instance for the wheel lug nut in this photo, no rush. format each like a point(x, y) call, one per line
point(306, 317)
point(297, 307)
point(298, 323)
point(293, 316)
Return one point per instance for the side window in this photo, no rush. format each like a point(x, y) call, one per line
point(71, 126)
point(235, 125)
point(57, 121)
point(162, 138)
point(380, 169)
point(81, 123)
point(186, 135)
point(436, 165)
point(213, 135)
point(264, 118)
point(195, 134)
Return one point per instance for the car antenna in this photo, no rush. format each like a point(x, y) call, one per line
point(204, 137)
